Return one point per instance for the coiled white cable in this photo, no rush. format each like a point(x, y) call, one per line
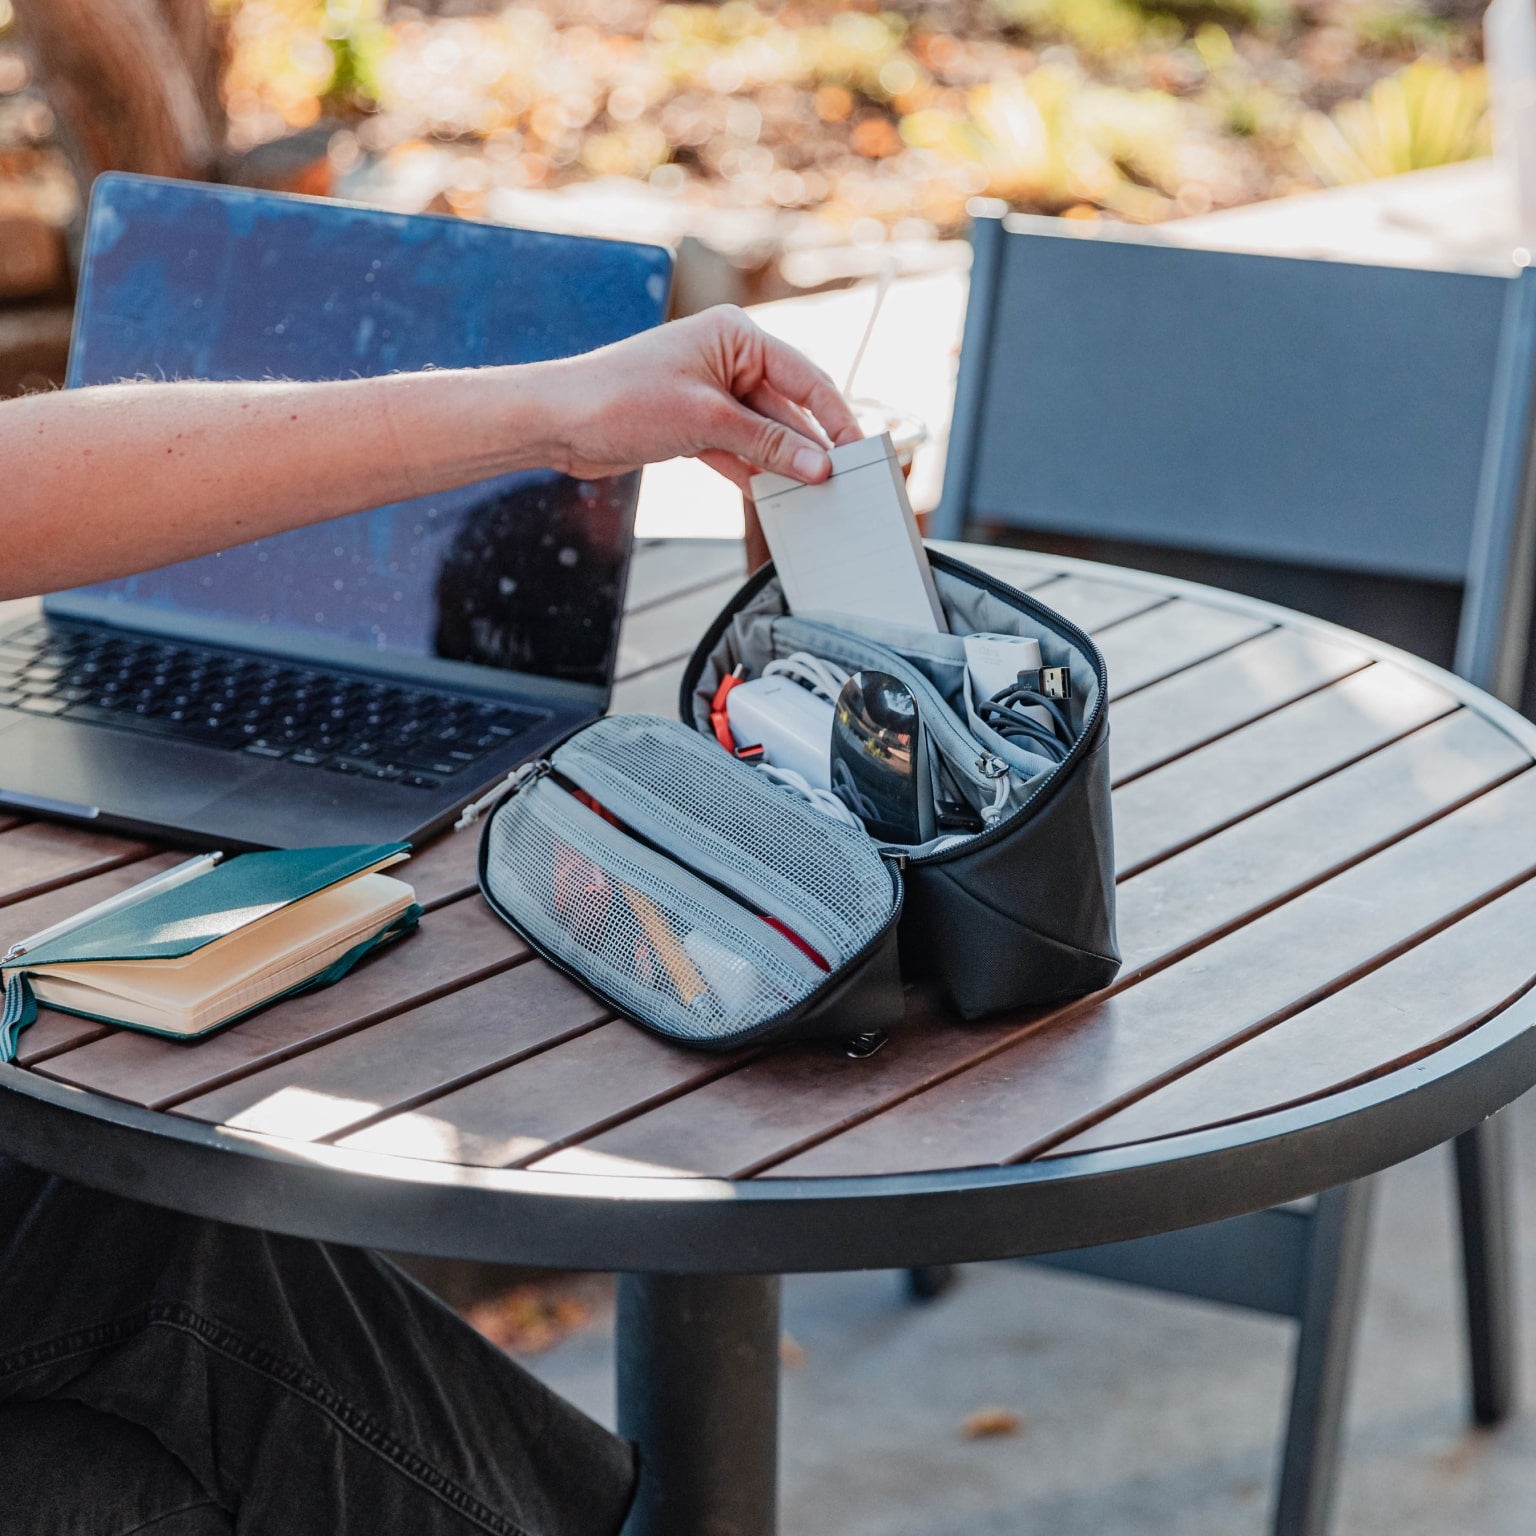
point(823, 799)
point(824, 678)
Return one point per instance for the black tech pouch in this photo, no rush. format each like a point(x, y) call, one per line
point(1023, 912)
point(719, 909)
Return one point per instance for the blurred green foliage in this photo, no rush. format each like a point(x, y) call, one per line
point(1053, 139)
point(355, 33)
point(1427, 114)
point(876, 113)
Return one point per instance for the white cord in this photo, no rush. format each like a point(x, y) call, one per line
point(999, 800)
point(823, 799)
point(824, 678)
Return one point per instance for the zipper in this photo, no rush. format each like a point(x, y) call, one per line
point(832, 979)
point(514, 781)
point(748, 879)
point(838, 974)
point(805, 928)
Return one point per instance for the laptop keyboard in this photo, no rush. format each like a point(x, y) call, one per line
point(335, 721)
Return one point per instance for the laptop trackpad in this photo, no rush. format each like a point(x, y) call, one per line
point(149, 779)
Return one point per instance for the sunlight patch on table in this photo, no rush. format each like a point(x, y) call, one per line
point(302, 1114)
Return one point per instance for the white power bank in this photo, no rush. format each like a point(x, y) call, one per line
point(850, 545)
point(791, 724)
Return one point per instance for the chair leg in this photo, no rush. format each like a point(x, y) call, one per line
point(930, 1281)
point(1330, 1308)
point(1482, 1187)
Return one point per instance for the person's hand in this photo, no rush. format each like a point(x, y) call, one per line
point(711, 387)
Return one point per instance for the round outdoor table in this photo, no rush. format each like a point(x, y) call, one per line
point(1325, 851)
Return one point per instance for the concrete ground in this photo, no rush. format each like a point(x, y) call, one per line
point(1138, 1414)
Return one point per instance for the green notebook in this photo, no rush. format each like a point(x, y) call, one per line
point(209, 942)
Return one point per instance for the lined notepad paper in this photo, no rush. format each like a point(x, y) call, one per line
point(850, 545)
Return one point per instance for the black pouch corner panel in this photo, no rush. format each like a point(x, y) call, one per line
point(1026, 920)
point(1023, 913)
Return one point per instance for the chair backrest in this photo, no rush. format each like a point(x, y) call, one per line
point(1331, 414)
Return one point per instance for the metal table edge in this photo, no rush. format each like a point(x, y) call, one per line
point(694, 1224)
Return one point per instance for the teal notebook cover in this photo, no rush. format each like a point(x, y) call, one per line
point(171, 924)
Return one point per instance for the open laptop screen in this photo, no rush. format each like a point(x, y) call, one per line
point(523, 574)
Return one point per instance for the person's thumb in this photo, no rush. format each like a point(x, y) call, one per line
point(772, 446)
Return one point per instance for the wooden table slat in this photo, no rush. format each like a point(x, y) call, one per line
point(514, 1116)
point(412, 1056)
point(40, 855)
point(1058, 1080)
point(1228, 879)
point(1168, 638)
point(1163, 721)
point(1095, 605)
point(650, 693)
point(1020, 567)
point(1393, 1016)
point(1197, 794)
point(670, 629)
point(665, 568)
point(445, 869)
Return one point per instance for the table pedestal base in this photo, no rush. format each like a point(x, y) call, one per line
point(698, 1384)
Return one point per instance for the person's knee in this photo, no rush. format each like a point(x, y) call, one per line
point(69, 1470)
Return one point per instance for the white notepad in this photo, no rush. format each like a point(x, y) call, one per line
point(850, 545)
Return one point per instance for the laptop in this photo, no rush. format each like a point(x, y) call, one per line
point(359, 680)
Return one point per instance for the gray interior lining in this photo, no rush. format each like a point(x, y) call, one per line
point(752, 640)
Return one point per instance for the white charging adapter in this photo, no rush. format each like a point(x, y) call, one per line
point(790, 724)
point(995, 661)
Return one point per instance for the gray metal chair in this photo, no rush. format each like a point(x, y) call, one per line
point(1318, 417)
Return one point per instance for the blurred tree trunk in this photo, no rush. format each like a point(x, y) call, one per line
point(202, 40)
point(133, 83)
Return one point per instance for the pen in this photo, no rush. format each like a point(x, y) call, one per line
point(680, 969)
point(166, 880)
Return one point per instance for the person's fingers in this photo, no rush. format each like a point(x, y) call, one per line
point(798, 379)
point(737, 471)
point(769, 444)
point(767, 401)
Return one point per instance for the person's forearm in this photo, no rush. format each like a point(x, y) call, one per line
point(103, 482)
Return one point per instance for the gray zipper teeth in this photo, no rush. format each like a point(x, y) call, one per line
point(960, 750)
point(590, 835)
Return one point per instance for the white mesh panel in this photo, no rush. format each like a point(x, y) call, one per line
point(726, 820)
point(674, 953)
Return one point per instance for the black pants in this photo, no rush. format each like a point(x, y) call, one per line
point(223, 1380)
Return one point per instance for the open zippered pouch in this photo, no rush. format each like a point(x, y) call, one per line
point(709, 902)
point(693, 893)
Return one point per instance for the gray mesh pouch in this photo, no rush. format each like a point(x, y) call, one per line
point(659, 907)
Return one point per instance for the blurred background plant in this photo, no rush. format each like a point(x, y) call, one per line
point(1423, 115)
point(872, 119)
point(811, 124)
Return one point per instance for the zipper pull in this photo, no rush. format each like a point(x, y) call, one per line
point(510, 785)
point(864, 1045)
